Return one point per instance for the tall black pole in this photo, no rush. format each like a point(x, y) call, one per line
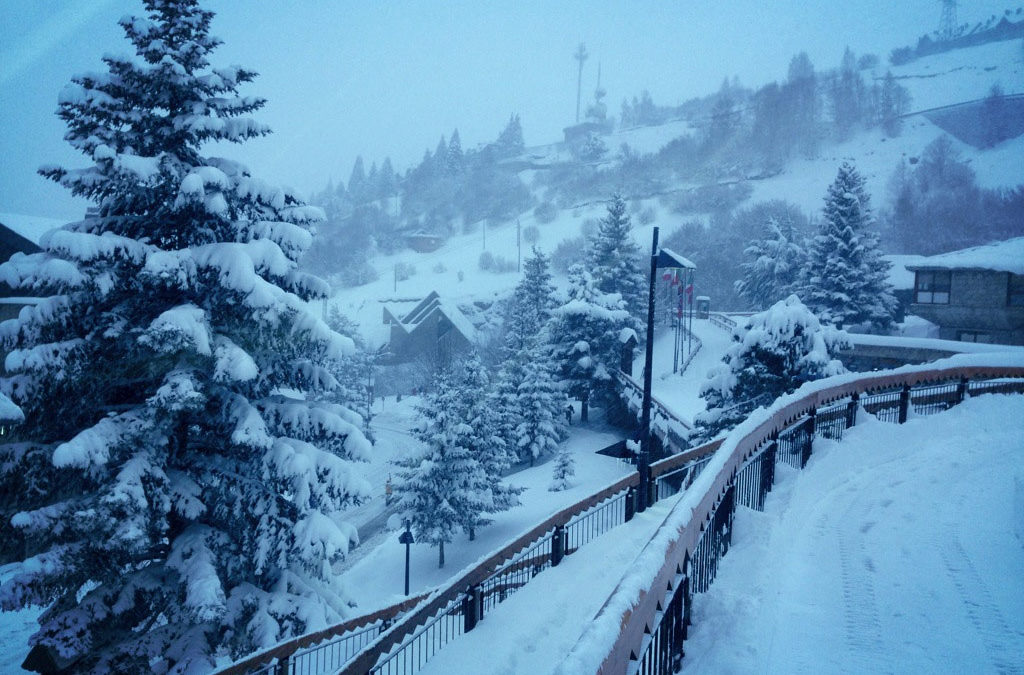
point(643, 460)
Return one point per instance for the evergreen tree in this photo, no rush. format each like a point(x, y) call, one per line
point(585, 340)
point(444, 488)
point(170, 500)
point(616, 263)
point(532, 302)
point(565, 469)
point(455, 160)
point(847, 96)
point(539, 405)
point(510, 140)
point(527, 396)
point(772, 354)
point(845, 280)
point(491, 448)
point(774, 264)
point(358, 189)
point(893, 102)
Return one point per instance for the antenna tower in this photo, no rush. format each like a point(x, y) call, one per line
point(948, 23)
point(581, 56)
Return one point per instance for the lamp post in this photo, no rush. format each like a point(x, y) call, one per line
point(659, 258)
point(643, 465)
point(406, 538)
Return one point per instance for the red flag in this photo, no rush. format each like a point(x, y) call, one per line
point(689, 289)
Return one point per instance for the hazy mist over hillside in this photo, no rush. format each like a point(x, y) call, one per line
point(349, 78)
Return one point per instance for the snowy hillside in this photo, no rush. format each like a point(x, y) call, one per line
point(957, 76)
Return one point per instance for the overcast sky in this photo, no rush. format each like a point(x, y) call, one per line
point(346, 77)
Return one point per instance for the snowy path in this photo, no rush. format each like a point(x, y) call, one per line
point(681, 393)
point(894, 551)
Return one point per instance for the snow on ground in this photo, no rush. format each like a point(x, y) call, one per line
point(376, 577)
point(15, 630)
point(681, 392)
point(892, 552)
point(533, 629)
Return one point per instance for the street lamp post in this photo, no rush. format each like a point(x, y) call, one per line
point(406, 538)
point(643, 459)
point(659, 258)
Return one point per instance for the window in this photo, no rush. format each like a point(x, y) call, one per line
point(1015, 292)
point(974, 336)
point(931, 288)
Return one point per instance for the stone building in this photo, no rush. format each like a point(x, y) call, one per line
point(973, 295)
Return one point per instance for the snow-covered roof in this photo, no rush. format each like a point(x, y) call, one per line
point(31, 227)
point(899, 276)
point(669, 258)
point(1003, 256)
point(410, 314)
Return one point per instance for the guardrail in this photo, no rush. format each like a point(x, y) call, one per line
point(647, 632)
point(722, 321)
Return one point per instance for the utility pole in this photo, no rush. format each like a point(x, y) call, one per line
point(581, 56)
point(483, 228)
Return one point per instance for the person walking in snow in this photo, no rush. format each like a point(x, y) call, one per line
point(568, 413)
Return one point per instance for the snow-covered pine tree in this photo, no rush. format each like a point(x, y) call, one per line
point(616, 264)
point(490, 446)
point(532, 302)
point(773, 353)
point(175, 496)
point(565, 469)
point(774, 264)
point(444, 488)
point(354, 371)
point(584, 340)
point(539, 405)
point(845, 278)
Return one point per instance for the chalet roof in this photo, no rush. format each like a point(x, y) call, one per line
point(1002, 256)
point(412, 317)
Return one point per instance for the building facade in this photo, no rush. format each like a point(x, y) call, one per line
point(973, 295)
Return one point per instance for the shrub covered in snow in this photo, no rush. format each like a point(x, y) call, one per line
point(174, 491)
point(773, 353)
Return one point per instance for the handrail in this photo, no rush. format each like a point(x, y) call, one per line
point(634, 623)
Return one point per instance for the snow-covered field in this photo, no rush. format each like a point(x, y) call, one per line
point(893, 551)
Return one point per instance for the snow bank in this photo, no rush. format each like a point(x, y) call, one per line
point(1003, 256)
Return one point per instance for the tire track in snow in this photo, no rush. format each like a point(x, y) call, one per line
point(1005, 646)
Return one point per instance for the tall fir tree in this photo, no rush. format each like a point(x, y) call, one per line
point(845, 279)
point(615, 261)
point(527, 397)
point(169, 500)
point(540, 401)
point(773, 353)
point(774, 264)
point(455, 159)
point(445, 488)
point(585, 339)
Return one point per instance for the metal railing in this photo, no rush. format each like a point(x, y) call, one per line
point(654, 628)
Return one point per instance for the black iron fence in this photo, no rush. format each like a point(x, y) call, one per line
point(661, 648)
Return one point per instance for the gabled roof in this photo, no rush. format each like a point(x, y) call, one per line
point(427, 307)
point(1002, 256)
